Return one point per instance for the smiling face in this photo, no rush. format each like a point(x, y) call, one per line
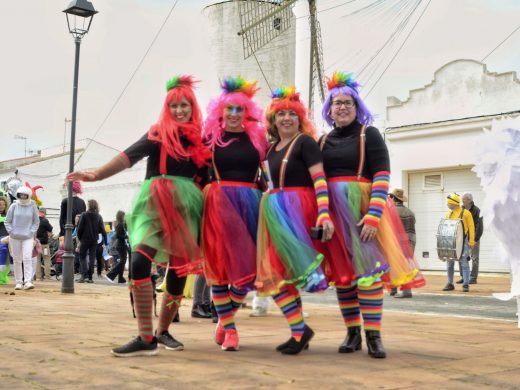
point(343, 110)
point(287, 123)
point(181, 110)
point(233, 117)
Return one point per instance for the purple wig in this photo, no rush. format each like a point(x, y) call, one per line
point(342, 83)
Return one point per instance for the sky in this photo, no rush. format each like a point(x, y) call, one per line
point(36, 67)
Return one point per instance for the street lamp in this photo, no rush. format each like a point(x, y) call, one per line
point(79, 15)
point(25, 141)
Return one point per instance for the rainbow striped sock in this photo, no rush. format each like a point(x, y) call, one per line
point(223, 306)
point(322, 197)
point(349, 305)
point(169, 307)
point(237, 297)
point(380, 185)
point(371, 302)
point(287, 302)
point(142, 293)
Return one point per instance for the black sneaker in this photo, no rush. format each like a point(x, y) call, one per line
point(137, 347)
point(465, 288)
point(167, 341)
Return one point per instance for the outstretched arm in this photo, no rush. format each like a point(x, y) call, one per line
point(116, 165)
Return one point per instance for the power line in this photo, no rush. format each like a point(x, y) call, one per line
point(500, 44)
point(130, 80)
point(398, 50)
point(328, 9)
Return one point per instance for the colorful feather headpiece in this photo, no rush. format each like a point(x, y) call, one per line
point(239, 84)
point(286, 93)
point(342, 79)
point(178, 81)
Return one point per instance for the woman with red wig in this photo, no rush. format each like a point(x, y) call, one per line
point(370, 248)
point(295, 206)
point(163, 225)
point(236, 133)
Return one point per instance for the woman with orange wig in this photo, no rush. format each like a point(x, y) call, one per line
point(295, 205)
point(164, 223)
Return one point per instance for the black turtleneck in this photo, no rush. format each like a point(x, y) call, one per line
point(341, 152)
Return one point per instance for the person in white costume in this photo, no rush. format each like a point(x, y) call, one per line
point(498, 166)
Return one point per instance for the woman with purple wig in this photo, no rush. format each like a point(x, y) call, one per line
point(370, 248)
point(236, 134)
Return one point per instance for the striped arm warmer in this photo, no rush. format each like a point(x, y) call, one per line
point(322, 197)
point(380, 185)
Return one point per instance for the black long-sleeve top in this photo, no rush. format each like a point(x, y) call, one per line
point(78, 207)
point(121, 235)
point(341, 152)
point(304, 155)
point(42, 234)
point(90, 226)
point(237, 161)
point(152, 149)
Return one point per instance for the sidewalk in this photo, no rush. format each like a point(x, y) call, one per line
point(56, 341)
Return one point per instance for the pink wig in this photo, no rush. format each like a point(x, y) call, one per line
point(76, 187)
point(236, 92)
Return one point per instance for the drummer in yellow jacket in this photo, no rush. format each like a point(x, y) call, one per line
point(469, 241)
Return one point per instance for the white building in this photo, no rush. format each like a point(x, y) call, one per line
point(431, 138)
point(113, 194)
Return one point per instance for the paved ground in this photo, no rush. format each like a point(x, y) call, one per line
point(56, 341)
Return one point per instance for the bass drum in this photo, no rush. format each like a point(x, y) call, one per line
point(450, 239)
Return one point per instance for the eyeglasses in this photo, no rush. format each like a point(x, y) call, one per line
point(235, 109)
point(346, 103)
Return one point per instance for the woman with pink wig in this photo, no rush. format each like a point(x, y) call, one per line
point(163, 224)
point(295, 206)
point(235, 132)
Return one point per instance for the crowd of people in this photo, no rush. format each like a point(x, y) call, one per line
point(249, 202)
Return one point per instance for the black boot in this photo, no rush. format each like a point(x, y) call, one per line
point(176, 318)
point(352, 342)
point(374, 344)
point(214, 315)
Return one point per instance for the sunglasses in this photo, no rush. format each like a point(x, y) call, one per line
point(234, 109)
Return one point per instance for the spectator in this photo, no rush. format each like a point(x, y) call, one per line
point(43, 233)
point(4, 252)
point(467, 201)
point(90, 225)
point(408, 219)
point(22, 223)
point(121, 238)
point(78, 206)
point(4, 205)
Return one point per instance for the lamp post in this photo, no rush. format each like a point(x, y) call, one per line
point(79, 15)
point(25, 143)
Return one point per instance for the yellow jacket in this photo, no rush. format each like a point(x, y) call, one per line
point(467, 221)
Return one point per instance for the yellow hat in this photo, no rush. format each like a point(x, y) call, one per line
point(108, 229)
point(454, 199)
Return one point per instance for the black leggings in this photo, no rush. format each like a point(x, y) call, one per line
point(141, 268)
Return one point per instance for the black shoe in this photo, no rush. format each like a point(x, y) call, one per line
point(465, 288)
point(286, 344)
point(197, 311)
point(460, 281)
point(374, 344)
point(448, 287)
point(122, 281)
point(167, 341)
point(352, 342)
point(81, 280)
point(214, 315)
point(473, 281)
point(295, 347)
point(393, 292)
point(89, 281)
point(403, 295)
point(137, 347)
point(176, 318)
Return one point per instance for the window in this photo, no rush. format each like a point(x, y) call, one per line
point(433, 181)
